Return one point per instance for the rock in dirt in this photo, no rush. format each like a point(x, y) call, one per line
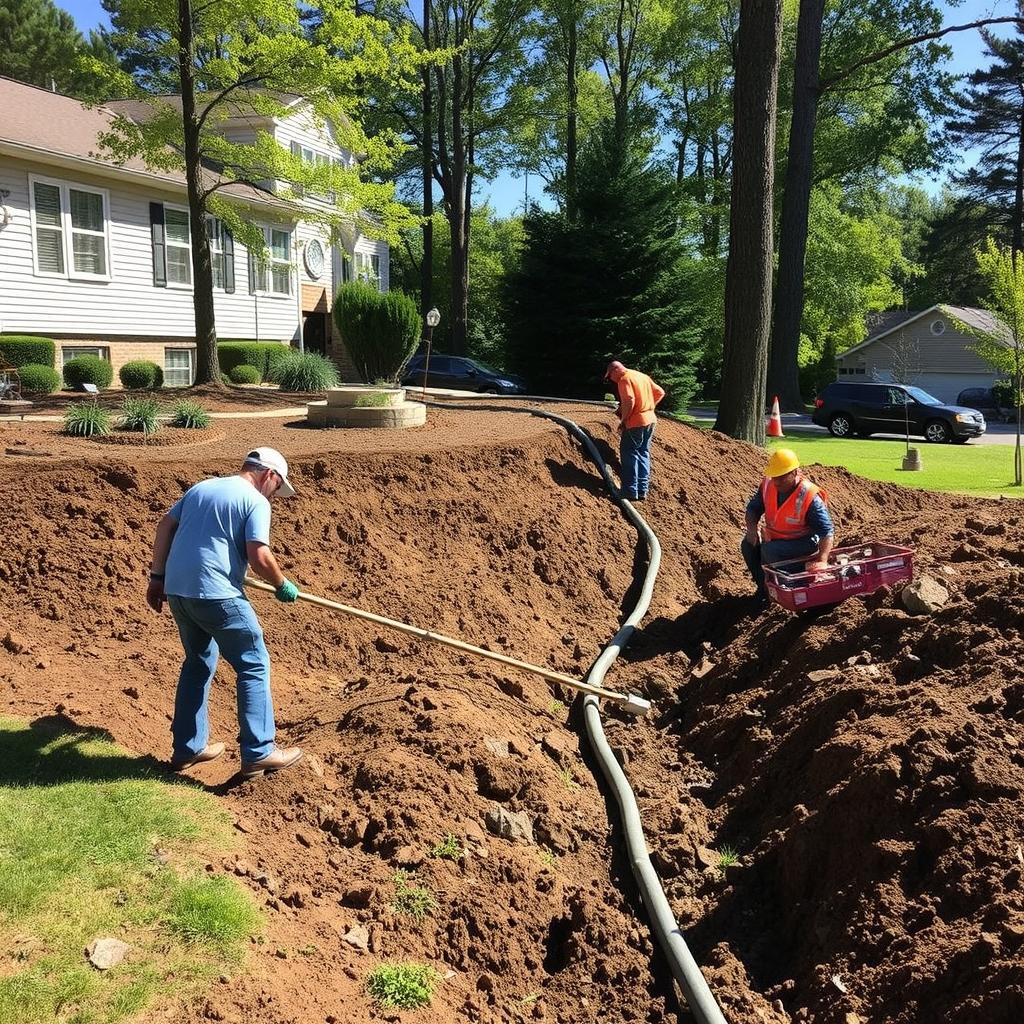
point(499, 748)
point(823, 675)
point(924, 596)
point(515, 826)
point(14, 643)
point(106, 953)
point(358, 937)
point(409, 857)
point(359, 896)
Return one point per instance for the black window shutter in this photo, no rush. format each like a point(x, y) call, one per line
point(156, 225)
point(252, 273)
point(229, 260)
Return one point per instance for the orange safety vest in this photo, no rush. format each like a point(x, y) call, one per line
point(788, 521)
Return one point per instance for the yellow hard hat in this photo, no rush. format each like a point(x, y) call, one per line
point(782, 461)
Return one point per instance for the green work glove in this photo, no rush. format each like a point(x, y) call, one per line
point(287, 592)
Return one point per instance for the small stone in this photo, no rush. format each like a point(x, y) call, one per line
point(707, 857)
point(924, 596)
point(131, 691)
point(499, 748)
point(106, 953)
point(14, 643)
point(515, 826)
point(409, 857)
point(303, 839)
point(358, 937)
point(823, 675)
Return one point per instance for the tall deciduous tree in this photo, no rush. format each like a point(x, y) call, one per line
point(748, 282)
point(227, 58)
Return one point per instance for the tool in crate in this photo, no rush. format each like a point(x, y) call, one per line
point(860, 569)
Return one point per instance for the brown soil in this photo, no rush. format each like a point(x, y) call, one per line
point(875, 805)
point(230, 398)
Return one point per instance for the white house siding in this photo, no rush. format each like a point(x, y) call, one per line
point(371, 246)
point(129, 305)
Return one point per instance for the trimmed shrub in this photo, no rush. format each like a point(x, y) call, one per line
point(141, 374)
point(305, 371)
point(23, 350)
point(139, 414)
point(381, 331)
point(38, 380)
point(1002, 392)
point(244, 374)
point(190, 415)
point(86, 419)
point(88, 370)
point(261, 354)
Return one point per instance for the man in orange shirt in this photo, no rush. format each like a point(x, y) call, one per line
point(638, 397)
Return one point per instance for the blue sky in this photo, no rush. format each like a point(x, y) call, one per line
point(506, 193)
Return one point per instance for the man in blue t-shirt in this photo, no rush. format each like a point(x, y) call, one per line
point(202, 549)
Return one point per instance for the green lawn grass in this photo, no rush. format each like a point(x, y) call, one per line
point(982, 471)
point(94, 843)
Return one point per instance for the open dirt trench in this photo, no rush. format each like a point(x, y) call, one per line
point(877, 835)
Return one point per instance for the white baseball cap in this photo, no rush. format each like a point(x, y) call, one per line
point(271, 458)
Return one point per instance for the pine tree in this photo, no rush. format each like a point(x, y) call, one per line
point(993, 119)
point(610, 284)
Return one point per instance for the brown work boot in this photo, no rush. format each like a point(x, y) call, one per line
point(282, 757)
point(210, 753)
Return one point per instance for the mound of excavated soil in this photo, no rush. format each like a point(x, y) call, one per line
point(874, 804)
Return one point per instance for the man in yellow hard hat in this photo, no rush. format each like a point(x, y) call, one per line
point(797, 526)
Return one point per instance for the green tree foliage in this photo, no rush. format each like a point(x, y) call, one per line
point(40, 45)
point(990, 119)
point(228, 59)
point(1002, 344)
point(610, 284)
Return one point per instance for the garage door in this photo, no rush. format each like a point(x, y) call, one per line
point(946, 386)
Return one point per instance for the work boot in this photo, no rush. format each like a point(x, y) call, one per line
point(281, 757)
point(210, 753)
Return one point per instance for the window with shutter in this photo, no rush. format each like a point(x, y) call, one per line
point(178, 243)
point(71, 229)
point(49, 228)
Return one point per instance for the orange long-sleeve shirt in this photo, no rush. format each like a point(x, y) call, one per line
point(638, 397)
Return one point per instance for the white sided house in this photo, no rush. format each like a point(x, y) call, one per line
point(97, 255)
point(928, 348)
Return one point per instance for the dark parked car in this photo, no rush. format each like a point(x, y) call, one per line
point(866, 409)
point(462, 374)
point(984, 401)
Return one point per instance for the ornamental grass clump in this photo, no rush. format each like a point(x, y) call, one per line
point(188, 414)
point(86, 419)
point(139, 414)
point(306, 372)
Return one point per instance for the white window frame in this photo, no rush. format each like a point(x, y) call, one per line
point(168, 244)
point(215, 249)
point(265, 266)
point(66, 230)
point(69, 352)
point(363, 270)
point(170, 369)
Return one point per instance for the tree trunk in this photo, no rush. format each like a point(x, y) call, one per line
point(783, 362)
point(1018, 192)
point(748, 273)
point(207, 366)
point(572, 117)
point(456, 211)
point(427, 269)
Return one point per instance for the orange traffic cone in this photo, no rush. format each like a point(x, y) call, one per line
point(775, 420)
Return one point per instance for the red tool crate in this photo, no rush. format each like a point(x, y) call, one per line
point(853, 570)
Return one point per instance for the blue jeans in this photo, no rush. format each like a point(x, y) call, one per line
point(231, 627)
point(635, 456)
point(772, 551)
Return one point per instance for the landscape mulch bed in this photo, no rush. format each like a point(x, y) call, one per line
point(863, 763)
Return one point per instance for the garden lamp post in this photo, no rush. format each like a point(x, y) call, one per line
point(433, 319)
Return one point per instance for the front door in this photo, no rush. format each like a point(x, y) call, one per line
point(314, 333)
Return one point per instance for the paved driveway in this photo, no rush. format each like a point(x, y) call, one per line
point(800, 423)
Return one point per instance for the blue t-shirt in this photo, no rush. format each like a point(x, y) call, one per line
point(215, 520)
point(819, 522)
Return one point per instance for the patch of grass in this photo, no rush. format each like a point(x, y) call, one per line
point(403, 986)
point(415, 901)
point(727, 857)
point(190, 415)
point(568, 778)
point(139, 414)
point(983, 471)
point(80, 820)
point(373, 401)
point(86, 419)
point(548, 858)
point(448, 849)
point(556, 707)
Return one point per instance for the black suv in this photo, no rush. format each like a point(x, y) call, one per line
point(462, 374)
point(866, 409)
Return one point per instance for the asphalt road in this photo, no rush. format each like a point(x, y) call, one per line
point(800, 423)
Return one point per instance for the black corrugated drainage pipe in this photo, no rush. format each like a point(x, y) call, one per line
point(666, 929)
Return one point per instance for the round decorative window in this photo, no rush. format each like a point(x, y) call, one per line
point(938, 327)
point(314, 258)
